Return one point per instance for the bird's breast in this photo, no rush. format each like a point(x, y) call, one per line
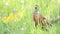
point(36, 17)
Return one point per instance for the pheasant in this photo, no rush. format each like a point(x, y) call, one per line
point(39, 18)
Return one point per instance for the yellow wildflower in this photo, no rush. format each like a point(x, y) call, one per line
point(7, 19)
point(21, 14)
point(11, 17)
point(4, 19)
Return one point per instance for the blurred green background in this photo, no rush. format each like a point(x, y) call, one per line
point(16, 16)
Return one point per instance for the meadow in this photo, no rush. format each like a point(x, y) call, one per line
point(16, 16)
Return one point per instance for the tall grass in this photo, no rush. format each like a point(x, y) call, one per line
point(16, 16)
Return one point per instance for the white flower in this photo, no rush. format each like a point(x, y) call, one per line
point(7, 3)
point(22, 1)
point(14, 9)
point(22, 28)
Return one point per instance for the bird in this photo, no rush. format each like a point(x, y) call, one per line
point(38, 18)
point(35, 16)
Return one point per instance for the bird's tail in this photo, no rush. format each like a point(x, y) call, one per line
point(55, 20)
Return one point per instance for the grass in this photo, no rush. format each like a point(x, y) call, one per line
point(16, 16)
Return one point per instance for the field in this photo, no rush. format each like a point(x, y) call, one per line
point(16, 16)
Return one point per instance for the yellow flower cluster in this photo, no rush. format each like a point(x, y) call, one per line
point(17, 16)
point(9, 18)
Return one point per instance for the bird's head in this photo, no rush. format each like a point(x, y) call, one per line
point(36, 7)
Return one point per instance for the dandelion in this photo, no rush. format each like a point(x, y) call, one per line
point(7, 19)
point(10, 17)
point(21, 14)
point(4, 19)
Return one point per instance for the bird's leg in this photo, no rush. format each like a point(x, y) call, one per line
point(44, 25)
point(36, 24)
point(44, 28)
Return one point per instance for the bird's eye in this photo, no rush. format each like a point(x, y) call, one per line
point(35, 7)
